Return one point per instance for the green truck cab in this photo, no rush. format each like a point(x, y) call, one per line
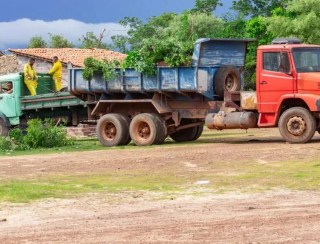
point(17, 106)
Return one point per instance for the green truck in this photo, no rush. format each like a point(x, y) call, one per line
point(17, 106)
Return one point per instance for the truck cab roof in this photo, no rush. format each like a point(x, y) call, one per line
point(287, 46)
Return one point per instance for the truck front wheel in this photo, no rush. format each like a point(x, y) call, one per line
point(112, 130)
point(146, 129)
point(4, 130)
point(297, 125)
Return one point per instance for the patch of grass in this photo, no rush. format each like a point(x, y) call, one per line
point(252, 176)
point(172, 181)
point(66, 186)
point(91, 144)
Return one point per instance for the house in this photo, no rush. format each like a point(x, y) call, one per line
point(73, 56)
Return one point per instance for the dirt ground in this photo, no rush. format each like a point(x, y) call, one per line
point(278, 216)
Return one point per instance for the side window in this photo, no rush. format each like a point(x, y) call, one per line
point(276, 61)
point(6, 87)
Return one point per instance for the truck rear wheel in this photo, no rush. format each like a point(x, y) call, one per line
point(127, 138)
point(189, 134)
point(112, 130)
point(162, 130)
point(198, 133)
point(4, 130)
point(146, 129)
point(227, 78)
point(297, 125)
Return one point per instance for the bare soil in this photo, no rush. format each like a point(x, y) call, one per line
point(279, 216)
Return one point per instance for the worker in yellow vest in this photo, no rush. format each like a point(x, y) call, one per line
point(56, 72)
point(30, 77)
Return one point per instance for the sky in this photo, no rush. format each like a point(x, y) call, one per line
point(22, 19)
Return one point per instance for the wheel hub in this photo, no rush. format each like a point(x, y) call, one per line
point(229, 82)
point(296, 126)
point(110, 131)
point(144, 130)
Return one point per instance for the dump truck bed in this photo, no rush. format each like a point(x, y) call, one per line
point(209, 55)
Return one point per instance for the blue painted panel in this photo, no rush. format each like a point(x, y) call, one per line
point(132, 80)
point(215, 52)
point(187, 79)
point(98, 84)
point(168, 78)
point(79, 84)
point(116, 84)
point(222, 53)
point(204, 78)
point(150, 83)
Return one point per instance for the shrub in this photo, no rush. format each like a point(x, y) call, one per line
point(106, 68)
point(45, 134)
point(16, 139)
point(5, 143)
point(16, 136)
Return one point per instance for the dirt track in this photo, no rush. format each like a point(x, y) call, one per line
point(279, 216)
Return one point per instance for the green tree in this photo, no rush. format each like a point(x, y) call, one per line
point(256, 27)
point(169, 37)
point(300, 19)
point(234, 26)
point(37, 42)
point(90, 40)
point(58, 41)
point(206, 6)
point(120, 43)
point(124, 43)
point(257, 7)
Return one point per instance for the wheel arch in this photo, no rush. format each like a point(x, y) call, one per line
point(290, 103)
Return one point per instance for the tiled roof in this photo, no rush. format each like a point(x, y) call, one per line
point(76, 56)
point(8, 64)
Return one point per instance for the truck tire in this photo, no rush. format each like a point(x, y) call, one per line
point(146, 129)
point(163, 131)
point(112, 130)
point(188, 134)
point(297, 125)
point(4, 130)
point(198, 133)
point(127, 138)
point(227, 78)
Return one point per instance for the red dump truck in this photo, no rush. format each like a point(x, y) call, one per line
point(178, 101)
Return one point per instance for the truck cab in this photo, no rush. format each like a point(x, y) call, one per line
point(288, 88)
point(10, 90)
point(17, 105)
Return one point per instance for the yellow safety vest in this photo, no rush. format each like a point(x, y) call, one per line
point(30, 72)
point(56, 70)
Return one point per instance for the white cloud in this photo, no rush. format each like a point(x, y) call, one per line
point(19, 32)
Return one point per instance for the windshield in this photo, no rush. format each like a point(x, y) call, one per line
point(307, 59)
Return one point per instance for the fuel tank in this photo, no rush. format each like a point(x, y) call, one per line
point(232, 120)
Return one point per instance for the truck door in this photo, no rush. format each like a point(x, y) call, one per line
point(7, 99)
point(274, 80)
